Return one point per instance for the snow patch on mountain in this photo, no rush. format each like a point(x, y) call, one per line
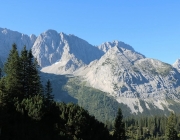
point(64, 67)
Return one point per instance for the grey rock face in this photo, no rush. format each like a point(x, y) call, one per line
point(177, 64)
point(108, 45)
point(8, 37)
point(125, 73)
point(129, 77)
point(63, 53)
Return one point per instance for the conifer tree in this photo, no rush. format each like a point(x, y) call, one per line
point(48, 92)
point(34, 82)
point(1, 73)
point(3, 93)
point(171, 133)
point(119, 132)
point(24, 71)
point(12, 71)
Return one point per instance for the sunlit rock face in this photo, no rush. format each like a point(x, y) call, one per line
point(63, 54)
point(8, 37)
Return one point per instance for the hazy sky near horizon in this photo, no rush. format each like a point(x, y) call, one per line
point(151, 27)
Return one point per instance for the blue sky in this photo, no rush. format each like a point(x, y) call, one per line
point(151, 27)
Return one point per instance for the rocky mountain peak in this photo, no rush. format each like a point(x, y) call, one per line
point(125, 73)
point(33, 37)
point(63, 53)
point(177, 64)
point(8, 37)
point(107, 45)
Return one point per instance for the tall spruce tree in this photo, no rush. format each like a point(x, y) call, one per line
point(48, 92)
point(34, 82)
point(24, 71)
point(119, 132)
point(22, 76)
point(171, 133)
point(12, 70)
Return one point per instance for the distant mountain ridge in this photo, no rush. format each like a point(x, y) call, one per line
point(112, 67)
point(108, 45)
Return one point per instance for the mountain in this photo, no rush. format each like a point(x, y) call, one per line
point(63, 54)
point(107, 70)
point(8, 37)
point(100, 78)
point(130, 77)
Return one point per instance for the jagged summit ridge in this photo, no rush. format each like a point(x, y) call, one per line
point(177, 64)
point(8, 37)
point(107, 45)
point(63, 53)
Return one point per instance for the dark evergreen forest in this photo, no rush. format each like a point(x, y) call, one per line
point(28, 111)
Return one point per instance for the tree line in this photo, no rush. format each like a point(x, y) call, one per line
point(153, 128)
